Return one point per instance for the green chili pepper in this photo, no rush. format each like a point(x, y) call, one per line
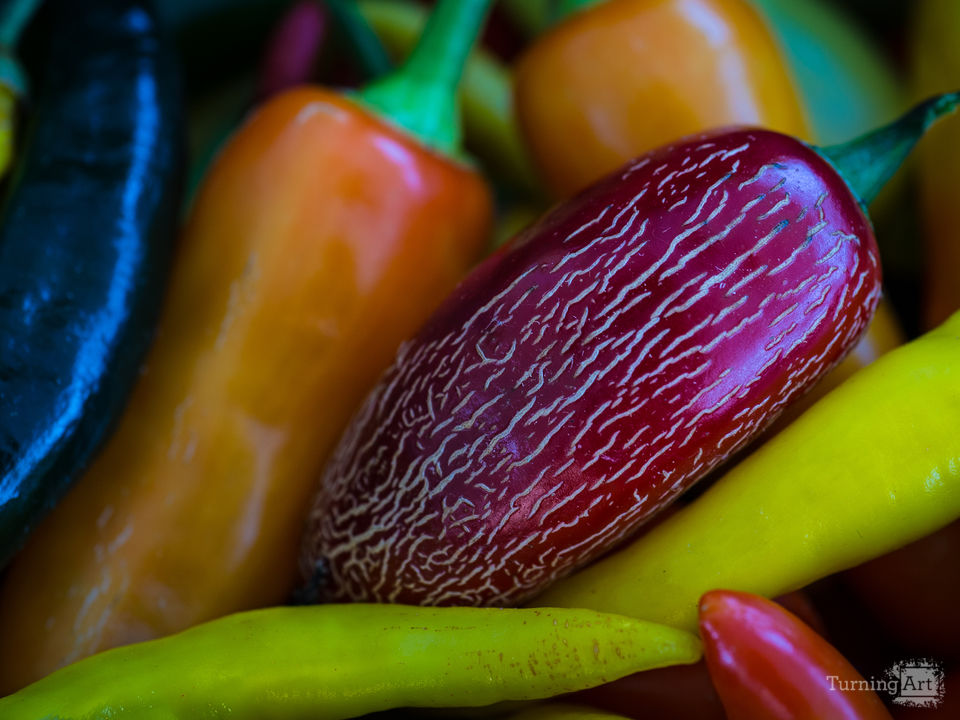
point(531, 16)
point(340, 661)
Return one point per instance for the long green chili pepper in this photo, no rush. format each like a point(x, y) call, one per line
point(340, 661)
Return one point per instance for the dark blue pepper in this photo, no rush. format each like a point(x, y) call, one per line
point(86, 233)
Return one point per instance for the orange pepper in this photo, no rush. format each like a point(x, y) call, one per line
point(322, 237)
point(621, 77)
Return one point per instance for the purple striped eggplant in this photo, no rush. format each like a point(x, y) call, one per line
point(579, 380)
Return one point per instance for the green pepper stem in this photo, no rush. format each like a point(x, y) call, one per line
point(532, 17)
point(13, 19)
point(568, 7)
point(362, 40)
point(421, 97)
point(868, 162)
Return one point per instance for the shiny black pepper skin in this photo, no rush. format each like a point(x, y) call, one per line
point(86, 231)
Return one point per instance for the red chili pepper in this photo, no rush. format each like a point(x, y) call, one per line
point(767, 665)
point(612, 355)
point(678, 692)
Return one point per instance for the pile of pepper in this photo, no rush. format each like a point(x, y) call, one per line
point(332, 414)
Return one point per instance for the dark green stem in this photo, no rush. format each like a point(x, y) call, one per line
point(568, 7)
point(13, 19)
point(868, 162)
point(531, 17)
point(362, 40)
point(422, 96)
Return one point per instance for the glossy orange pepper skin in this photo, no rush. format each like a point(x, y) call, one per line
point(624, 76)
point(321, 239)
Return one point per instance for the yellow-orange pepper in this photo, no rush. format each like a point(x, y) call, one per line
point(323, 236)
point(621, 77)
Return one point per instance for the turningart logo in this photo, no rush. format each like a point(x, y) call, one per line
point(911, 683)
point(920, 682)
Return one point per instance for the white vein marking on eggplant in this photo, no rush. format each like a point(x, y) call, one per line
point(595, 458)
point(759, 175)
point(586, 225)
point(706, 196)
point(517, 417)
point(783, 316)
point(776, 340)
point(710, 241)
point(782, 203)
point(629, 255)
point(586, 426)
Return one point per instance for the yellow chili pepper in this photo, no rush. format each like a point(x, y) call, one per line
point(871, 467)
point(340, 661)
